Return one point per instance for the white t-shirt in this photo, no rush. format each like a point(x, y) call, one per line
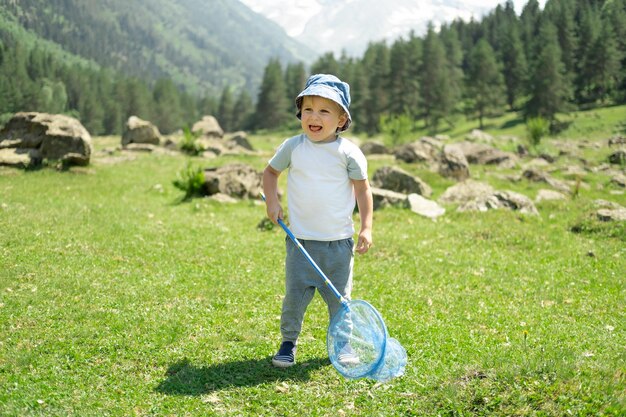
point(320, 194)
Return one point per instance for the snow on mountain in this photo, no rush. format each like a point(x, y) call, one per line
point(338, 25)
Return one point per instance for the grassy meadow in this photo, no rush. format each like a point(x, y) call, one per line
point(118, 298)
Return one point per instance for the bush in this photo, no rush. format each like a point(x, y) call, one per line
point(191, 181)
point(537, 128)
point(396, 128)
point(190, 144)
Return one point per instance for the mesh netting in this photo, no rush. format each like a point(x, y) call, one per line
point(358, 344)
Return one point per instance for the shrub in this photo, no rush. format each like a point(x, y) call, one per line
point(537, 128)
point(396, 128)
point(190, 144)
point(191, 181)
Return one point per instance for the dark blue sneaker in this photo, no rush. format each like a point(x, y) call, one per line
point(286, 355)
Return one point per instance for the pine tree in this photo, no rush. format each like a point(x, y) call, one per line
point(515, 67)
point(376, 60)
point(412, 93)
point(242, 111)
point(485, 84)
point(437, 96)
point(295, 78)
point(549, 88)
point(562, 13)
point(225, 109)
point(272, 109)
point(588, 32)
point(399, 78)
point(454, 72)
point(167, 115)
point(326, 64)
point(605, 60)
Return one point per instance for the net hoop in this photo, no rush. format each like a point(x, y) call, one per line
point(359, 325)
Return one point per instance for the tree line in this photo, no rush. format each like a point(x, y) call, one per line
point(570, 55)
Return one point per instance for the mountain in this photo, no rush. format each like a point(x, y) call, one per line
point(202, 45)
point(338, 25)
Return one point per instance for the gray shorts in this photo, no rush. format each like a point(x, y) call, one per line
point(335, 259)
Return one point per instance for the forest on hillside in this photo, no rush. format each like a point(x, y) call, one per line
point(568, 56)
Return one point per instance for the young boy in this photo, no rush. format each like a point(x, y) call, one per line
point(327, 174)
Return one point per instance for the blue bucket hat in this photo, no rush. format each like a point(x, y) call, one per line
point(330, 87)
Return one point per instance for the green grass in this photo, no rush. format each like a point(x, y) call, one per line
point(117, 298)
point(596, 123)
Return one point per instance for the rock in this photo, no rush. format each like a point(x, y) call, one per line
point(374, 148)
point(396, 179)
point(549, 195)
point(208, 126)
point(239, 140)
point(42, 136)
point(501, 200)
point(423, 150)
point(453, 164)
point(478, 135)
point(618, 157)
point(211, 144)
point(617, 140)
point(141, 132)
point(141, 147)
point(479, 153)
point(466, 191)
point(612, 215)
point(387, 198)
point(425, 207)
point(20, 157)
point(619, 180)
point(235, 180)
point(536, 175)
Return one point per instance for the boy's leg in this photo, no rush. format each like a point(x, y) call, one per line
point(299, 291)
point(336, 259)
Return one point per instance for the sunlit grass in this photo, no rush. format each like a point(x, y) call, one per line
point(118, 298)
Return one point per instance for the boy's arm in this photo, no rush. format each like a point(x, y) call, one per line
point(270, 189)
point(365, 202)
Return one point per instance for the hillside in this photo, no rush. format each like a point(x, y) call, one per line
point(202, 46)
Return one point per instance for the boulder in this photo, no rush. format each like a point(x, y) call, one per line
point(373, 147)
point(479, 153)
point(453, 164)
point(536, 175)
point(478, 135)
point(208, 126)
point(612, 215)
point(20, 157)
point(423, 150)
point(35, 137)
point(501, 200)
point(466, 191)
point(619, 180)
point(235, 180)
point(239, 140)
point(618, 157)
point(425, 207)
point(549, 195)
point(386, 198)
point(398, 180)
point(141, 132)
point(617, 140)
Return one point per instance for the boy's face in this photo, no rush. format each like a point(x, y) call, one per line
point(321, 118)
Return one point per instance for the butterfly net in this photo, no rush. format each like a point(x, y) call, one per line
point(359, 346)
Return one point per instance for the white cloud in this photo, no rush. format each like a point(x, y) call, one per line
point(336, 25)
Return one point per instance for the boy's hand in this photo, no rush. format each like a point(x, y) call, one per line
point(274, 212)
point(364, 241)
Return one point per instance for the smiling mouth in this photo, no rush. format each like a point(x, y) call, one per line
point(315, 128)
